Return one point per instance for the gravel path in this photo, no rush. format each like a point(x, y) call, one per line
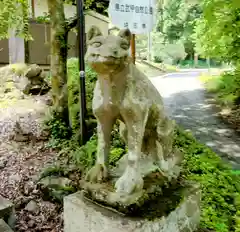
point(22, 162)
point(185, 101)
point(20, 165)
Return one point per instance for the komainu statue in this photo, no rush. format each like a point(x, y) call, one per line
point(123, 92)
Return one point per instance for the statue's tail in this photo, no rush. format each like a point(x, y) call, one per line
point(165, 132)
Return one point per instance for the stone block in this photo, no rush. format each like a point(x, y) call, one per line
point(80, 214)
point(6, 207)
point(7, 211)
point(4, 227)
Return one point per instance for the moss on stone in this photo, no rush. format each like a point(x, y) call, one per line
point(158, 198)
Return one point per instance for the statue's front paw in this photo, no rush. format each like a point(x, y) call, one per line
point(130, 182)
point(98, 173)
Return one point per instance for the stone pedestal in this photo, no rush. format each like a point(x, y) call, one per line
point(82, 215)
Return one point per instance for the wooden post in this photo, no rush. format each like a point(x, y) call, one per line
point(33, 8)
point(133, 48)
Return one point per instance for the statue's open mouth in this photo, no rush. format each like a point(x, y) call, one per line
point(106, 60)
point(102, 64)
point(109, 59)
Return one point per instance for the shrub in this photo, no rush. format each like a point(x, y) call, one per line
point(168, 53)
point(57, 127)
point(86, 155)
point(74, 93)
point(59, 130)
point(226, 86)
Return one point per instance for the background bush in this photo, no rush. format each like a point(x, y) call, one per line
point(226, 86)
point(74, 95)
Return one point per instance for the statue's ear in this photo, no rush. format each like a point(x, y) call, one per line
point(113, 31)
point(93, 32)
point(126, 34)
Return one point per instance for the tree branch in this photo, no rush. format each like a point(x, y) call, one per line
point(72, 23)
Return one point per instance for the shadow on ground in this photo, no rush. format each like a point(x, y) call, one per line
point(194, 112)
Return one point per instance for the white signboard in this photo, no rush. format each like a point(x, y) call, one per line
point(137, 15)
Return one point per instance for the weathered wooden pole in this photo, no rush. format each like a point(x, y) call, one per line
point(133, 48)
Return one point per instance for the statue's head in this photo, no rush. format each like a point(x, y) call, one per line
point(105, 54)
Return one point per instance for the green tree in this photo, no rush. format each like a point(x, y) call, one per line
point(217, 32)
point(14, 15)
point(177, 19)
point(59, 52)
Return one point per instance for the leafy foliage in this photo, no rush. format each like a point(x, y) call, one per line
point(14, 16)
point(172, 39)
point(169, 53)
point(74, 92)
point(86, 155)
point(178, 21)
point(99, 6)
point(162, 52)
point(58, 128)
point(217, 32)
point(226, 87)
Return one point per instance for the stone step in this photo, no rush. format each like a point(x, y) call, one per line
point(4, 227)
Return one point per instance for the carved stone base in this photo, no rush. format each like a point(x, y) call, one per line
point(155, 186)
point(81, 214)
point(157, 181)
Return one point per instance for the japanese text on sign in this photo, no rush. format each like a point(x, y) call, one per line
point(132, 8)
point(136, 15)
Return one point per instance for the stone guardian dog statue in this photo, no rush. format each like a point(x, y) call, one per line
point(123, 92)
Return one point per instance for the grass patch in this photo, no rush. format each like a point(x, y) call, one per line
point(220, 185)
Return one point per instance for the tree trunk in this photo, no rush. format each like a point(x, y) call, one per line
point(195, 60)
point(208, 62)
point(59, 49)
